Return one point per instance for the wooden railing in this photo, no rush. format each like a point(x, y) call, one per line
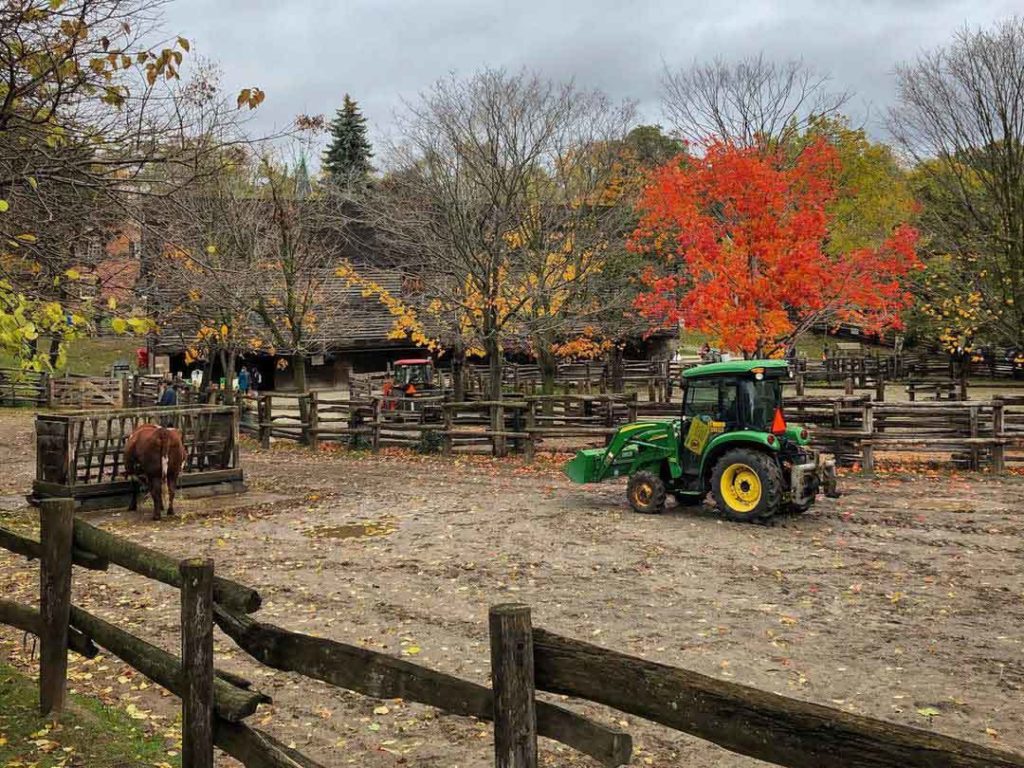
point(19, 389)
point(973, 434)
point(215, 704)
point(87, 392)
point(521, 424)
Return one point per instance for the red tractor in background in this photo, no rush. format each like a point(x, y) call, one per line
point(410, 377)
point(409, 380)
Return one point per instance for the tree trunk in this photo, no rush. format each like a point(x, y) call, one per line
point(617, 367)
point(459, 372)
point(494, 367)
point(54, 350)
point(227, 361)
point(299, 374)
point(207, 374)
point(548, 364)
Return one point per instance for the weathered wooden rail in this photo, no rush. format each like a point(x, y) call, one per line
point(766, 726)
point(975, 433)
point(19, 389)
point(87, 392)
point(80, 455)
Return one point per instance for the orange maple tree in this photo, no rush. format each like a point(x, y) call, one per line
point(739, 237)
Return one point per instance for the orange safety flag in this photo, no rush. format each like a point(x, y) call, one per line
point(778, 422)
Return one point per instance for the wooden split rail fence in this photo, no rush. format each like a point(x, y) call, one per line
point(524, 660)
point(521, 424)
point(973, 434)
point(21, 389)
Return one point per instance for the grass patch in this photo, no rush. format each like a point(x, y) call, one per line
point(93, 356)
point(89, 733)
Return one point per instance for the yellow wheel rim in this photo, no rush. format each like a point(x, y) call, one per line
point(643, 494)
point(741, 488)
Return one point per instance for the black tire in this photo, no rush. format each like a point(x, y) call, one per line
point(646, 493)
point(688, 499)
point(747, 501)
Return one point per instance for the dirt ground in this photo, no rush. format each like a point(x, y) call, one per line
point(901, 600)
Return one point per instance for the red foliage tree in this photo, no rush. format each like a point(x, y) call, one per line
point(741, 237)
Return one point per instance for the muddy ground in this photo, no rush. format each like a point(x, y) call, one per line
point(902, 600)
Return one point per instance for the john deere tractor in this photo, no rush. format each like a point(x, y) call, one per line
point(732, 440)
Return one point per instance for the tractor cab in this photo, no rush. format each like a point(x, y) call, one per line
point(727, 398)
point(413, 376)
point(732, 440)
point(735, 396)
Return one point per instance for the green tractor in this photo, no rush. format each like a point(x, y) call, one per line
point(732, 440)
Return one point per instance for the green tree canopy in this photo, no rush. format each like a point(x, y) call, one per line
point(348, 156)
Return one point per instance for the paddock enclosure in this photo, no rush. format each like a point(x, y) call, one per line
point(80, 455)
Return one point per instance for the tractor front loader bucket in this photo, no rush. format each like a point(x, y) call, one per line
point(587, 466)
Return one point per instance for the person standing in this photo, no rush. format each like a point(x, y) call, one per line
point(243, 381)
point(168, 395)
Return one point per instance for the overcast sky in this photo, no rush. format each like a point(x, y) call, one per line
point(306, 54)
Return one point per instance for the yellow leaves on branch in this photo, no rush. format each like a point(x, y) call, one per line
point(407, 323)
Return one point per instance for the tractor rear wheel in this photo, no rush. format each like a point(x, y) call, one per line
point(747, 485)
point(646, 493)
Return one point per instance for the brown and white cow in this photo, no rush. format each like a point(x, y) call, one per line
point(154, 455)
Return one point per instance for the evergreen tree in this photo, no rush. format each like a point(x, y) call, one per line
point(348, 156)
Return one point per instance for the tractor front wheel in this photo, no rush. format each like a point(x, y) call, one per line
point(646, 493)
point(747, 485)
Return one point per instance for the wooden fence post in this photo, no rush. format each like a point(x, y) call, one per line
point(998, 449)
point(880, 387)
point(196, 663)
point(314, 421)
point(515, 714)
point(375, 434)
point(975, 452)
point(849, 384)
point(529, 447)
point(498, 426)
point(867, 449)
point(56, 518)
point(266, 419)
point(446, 444)
point(799, 383)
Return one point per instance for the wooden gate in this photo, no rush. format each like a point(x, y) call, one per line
point(81, 454)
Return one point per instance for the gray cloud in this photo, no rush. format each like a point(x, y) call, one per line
point(307, 53)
